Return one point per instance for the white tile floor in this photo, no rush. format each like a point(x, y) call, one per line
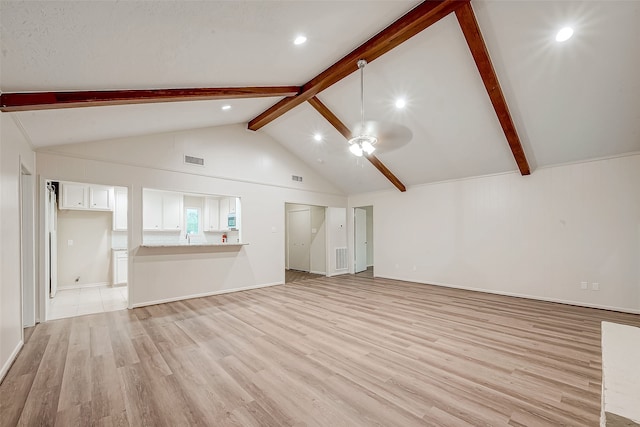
point(76, 302)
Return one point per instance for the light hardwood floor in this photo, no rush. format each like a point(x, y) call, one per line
point(343, 351)
point(297, 276)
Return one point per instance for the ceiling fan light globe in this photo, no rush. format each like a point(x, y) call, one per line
point(367, 147)
point(356, 149)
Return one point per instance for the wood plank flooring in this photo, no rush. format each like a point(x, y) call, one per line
point(345, 351)
point(291, 276)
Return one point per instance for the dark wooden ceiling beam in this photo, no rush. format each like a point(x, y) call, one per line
point(472, 34)
point(25, 101)
point(416, 20)
point(331, 118)
point(344, 131)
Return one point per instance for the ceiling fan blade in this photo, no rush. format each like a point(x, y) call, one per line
point(391, 136)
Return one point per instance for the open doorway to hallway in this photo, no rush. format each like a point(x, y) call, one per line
point(363, 240)
point(305, 242)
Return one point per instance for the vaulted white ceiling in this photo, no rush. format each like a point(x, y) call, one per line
point(570, 101)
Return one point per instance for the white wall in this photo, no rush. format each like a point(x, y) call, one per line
point(537, 236)
point(336, 221)
point(241, 163)
point(89, 258)
point(14, 151)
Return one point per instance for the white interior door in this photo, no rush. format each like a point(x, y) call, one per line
point(299, 236)
point(360, 226)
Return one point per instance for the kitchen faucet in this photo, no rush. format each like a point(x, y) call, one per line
point(188, 237)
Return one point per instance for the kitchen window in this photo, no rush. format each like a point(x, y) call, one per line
point(192, 220)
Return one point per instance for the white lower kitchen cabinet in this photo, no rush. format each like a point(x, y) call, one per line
point(120, 266)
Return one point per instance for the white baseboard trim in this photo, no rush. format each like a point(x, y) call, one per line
point(518, 295)
point(318, 272)
point(12, 358)
point(205, 294)
point(88, 285)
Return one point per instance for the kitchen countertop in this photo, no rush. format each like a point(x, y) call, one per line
point(193, 245)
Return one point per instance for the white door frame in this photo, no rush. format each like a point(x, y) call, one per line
point(359, 230)
point(27, 248)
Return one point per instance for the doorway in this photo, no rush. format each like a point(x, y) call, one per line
point(363, 240)
point(305, 242)
point(85, 249)
point(299, 240)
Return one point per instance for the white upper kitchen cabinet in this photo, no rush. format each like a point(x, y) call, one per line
point(172, 211)
point(211, 214)
point(86, 197)
point(151, 210)
point(224, 213)
point(74, 196)
point(100, 197)
point(161, 210)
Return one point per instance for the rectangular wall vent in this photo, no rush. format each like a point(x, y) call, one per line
point(296, 178)
point(199, 161)
point(341, 259)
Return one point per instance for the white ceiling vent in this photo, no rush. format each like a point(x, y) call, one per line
point(296, 178)
point(191, 160)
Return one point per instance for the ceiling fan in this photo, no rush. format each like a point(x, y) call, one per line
point(368, 133)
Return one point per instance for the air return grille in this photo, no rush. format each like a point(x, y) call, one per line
point(341, 259)
point(198, 161)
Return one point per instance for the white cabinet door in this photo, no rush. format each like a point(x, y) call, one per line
point(232, 204)
point(224, 213)
point(120, 201)
point(172, 211)
point(211, 214)
point(151, 210)
point(100, 198)
point(74, 196)
point(120, 267)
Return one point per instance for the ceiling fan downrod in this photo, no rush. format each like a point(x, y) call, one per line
point(362, 143)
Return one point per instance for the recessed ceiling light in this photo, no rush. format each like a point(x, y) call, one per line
point(564, 34)
point(299, 40)
point(226, 107)
point(400, 103)
point(317, 137)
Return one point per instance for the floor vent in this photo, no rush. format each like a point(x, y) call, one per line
point(341, 259)
point(199, 161)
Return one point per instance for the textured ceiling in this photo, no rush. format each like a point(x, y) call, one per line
point(570, 102)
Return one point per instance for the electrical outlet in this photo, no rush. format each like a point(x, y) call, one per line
point(69, 242)
point(414, 268)
point(584, 285)
point(595, 286)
